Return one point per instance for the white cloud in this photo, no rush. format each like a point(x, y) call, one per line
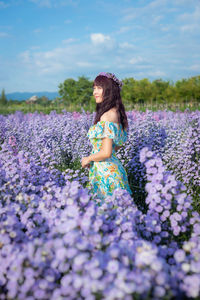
point(54, 61)
point(190, 21)
point(189, 28)
point(130, 15)
point(76, 58)
point(149, 74)
point(83, 64)
point(191, 17)
point(124, 29)
point(156, 73)
point(75, 55)
point(126, 45)
point(69, 41)
point(136, 60)
point(99, 38)
point(156, 19)
point(138, 12)
point(159, 11)
point(102, 42)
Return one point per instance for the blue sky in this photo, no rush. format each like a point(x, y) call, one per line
point(44, 42)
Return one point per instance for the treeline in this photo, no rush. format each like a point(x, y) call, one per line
point(79, 92)
point(135, 91)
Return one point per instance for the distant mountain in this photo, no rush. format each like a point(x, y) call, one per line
point(26, 95)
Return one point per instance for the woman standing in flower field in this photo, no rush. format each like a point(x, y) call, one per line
point(107, 135)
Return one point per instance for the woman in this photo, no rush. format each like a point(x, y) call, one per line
point(107, 135)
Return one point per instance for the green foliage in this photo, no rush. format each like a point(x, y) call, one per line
point(160, 91)
point(134, 91)
point(78, 92)
point(188, 89)
point(3, 100)
point(128, 90)
point(143, 90)
point(67, 90)
point(84, 90)
point(43, 101)
point(136, 94)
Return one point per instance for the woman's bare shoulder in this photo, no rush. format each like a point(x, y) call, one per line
point(110, 115)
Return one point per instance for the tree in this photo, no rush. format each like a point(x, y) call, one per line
point(76, 91)
point(159, 88)
point(84, 90)
point(185, 89)
point(3, 100)
point(195, 87)
point(67, 90)
point(43, 101)
point(128, 90)
point(143, 91)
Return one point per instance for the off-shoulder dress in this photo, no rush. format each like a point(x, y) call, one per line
point(107, 175)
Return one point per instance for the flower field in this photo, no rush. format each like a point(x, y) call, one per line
point(57, 242)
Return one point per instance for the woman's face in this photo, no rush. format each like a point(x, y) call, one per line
point(98, 93)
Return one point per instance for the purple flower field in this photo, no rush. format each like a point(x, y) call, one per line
point(57, 242)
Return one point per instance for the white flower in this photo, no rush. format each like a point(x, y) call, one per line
point(185, 267)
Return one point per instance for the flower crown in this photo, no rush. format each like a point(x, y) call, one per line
point(113, 77)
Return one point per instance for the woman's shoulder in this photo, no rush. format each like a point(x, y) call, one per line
point(110, 115)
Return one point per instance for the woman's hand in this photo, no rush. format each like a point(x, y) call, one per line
point(85, 162)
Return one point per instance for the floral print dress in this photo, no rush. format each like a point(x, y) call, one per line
point(109, 174)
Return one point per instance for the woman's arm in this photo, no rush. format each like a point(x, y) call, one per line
point(105, 151)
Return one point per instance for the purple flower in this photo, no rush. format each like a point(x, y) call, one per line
point(113, 266)
point(57, 241)
point(179, 255)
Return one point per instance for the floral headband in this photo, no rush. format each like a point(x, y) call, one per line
point(113, 77)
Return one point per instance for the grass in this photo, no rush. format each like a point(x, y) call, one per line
point(70, 107)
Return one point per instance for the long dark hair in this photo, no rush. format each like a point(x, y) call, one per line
point(111, 98)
